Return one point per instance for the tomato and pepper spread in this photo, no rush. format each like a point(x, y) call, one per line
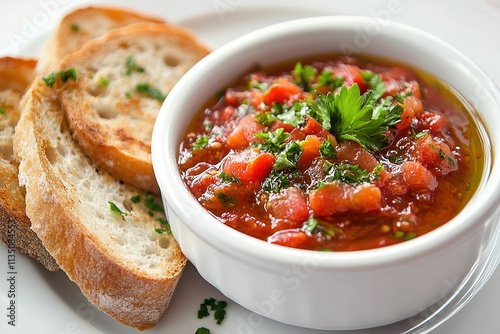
point(333, 154)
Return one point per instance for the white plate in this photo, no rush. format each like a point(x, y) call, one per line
point(50, 303)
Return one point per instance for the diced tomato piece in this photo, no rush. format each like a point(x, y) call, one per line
point(234, 97)
point(436, 154)
point(310, 151)
point(292, 238)
point(244, 133)
point(353, 153)
point(226, 114)
point(250, 165)
point(200, 183)
point(281, 125)
point(412, 106)
point(312, 127)
point(399, 73)
point(351, 75)
point(336, 197)
point(289, 204)
point(432, 121)
point(259, 167)
point(417, 177)
point(414, 88)
point(281, 92)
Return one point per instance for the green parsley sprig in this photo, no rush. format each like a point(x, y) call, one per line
point(349, 115)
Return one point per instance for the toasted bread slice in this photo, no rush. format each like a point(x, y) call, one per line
point(123, 78)
point(82, 25)
point(15, 77)
point(101, 236)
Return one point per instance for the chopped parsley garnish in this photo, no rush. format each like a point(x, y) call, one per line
point(314, 226)
point(115, 209)
point(303, 76)
point(165, 227)
point(327, 79)
point(289, 157)
point(229, 178)
point(217, 307)
point(152, 204)
point(327, 149)
point(375, 83)
point(132, 66)
point(75, 27)
point(352, 116)
point(404, 236)
point(64, 75)
point(103, 82)
point(70, 73)
point(262, 86)
point(2, 110)
point(226, 200)
point(275, 181)
point(200, 143)
point(351, 174)
point(203, 330)
point(150, 91)
point(274, 141)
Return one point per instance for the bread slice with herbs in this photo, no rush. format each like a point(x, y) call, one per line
point(83, 24)
point(123, 78)
point(110, 238)
point(16, 76)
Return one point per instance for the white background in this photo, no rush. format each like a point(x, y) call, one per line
point(49, 303)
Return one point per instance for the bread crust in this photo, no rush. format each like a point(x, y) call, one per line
point(15, 77)
point(115, 259)
point(82, 25)
point(113, 123)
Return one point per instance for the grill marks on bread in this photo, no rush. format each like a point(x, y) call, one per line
point(112, 107)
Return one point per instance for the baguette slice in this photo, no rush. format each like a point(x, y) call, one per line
point(15, 77)
point(121, 264)
point(82, 25)
point(123, 78)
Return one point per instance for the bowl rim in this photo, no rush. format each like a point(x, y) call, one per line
point(222, 237)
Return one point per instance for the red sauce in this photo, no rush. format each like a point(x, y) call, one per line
point(284, 155)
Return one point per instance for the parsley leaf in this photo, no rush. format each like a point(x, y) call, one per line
point(132, 66)
point(351, 174)
point(289, 157)
point(303, 76)
point(64, 75)
point(352, 116)
point(150, 91)
point(315, 226)
point(275, 181)
point(327, 149)
point(218, 307)
point(375, 82)
point(327, 79)
point(115, 209)
point(229, 178)
point(203, 330)
point(225, 200)
point(274, 141)
point(200, 143)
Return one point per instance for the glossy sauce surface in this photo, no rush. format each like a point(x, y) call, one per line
point(335, 154)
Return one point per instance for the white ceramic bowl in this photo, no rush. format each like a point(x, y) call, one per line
point(328, 290)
